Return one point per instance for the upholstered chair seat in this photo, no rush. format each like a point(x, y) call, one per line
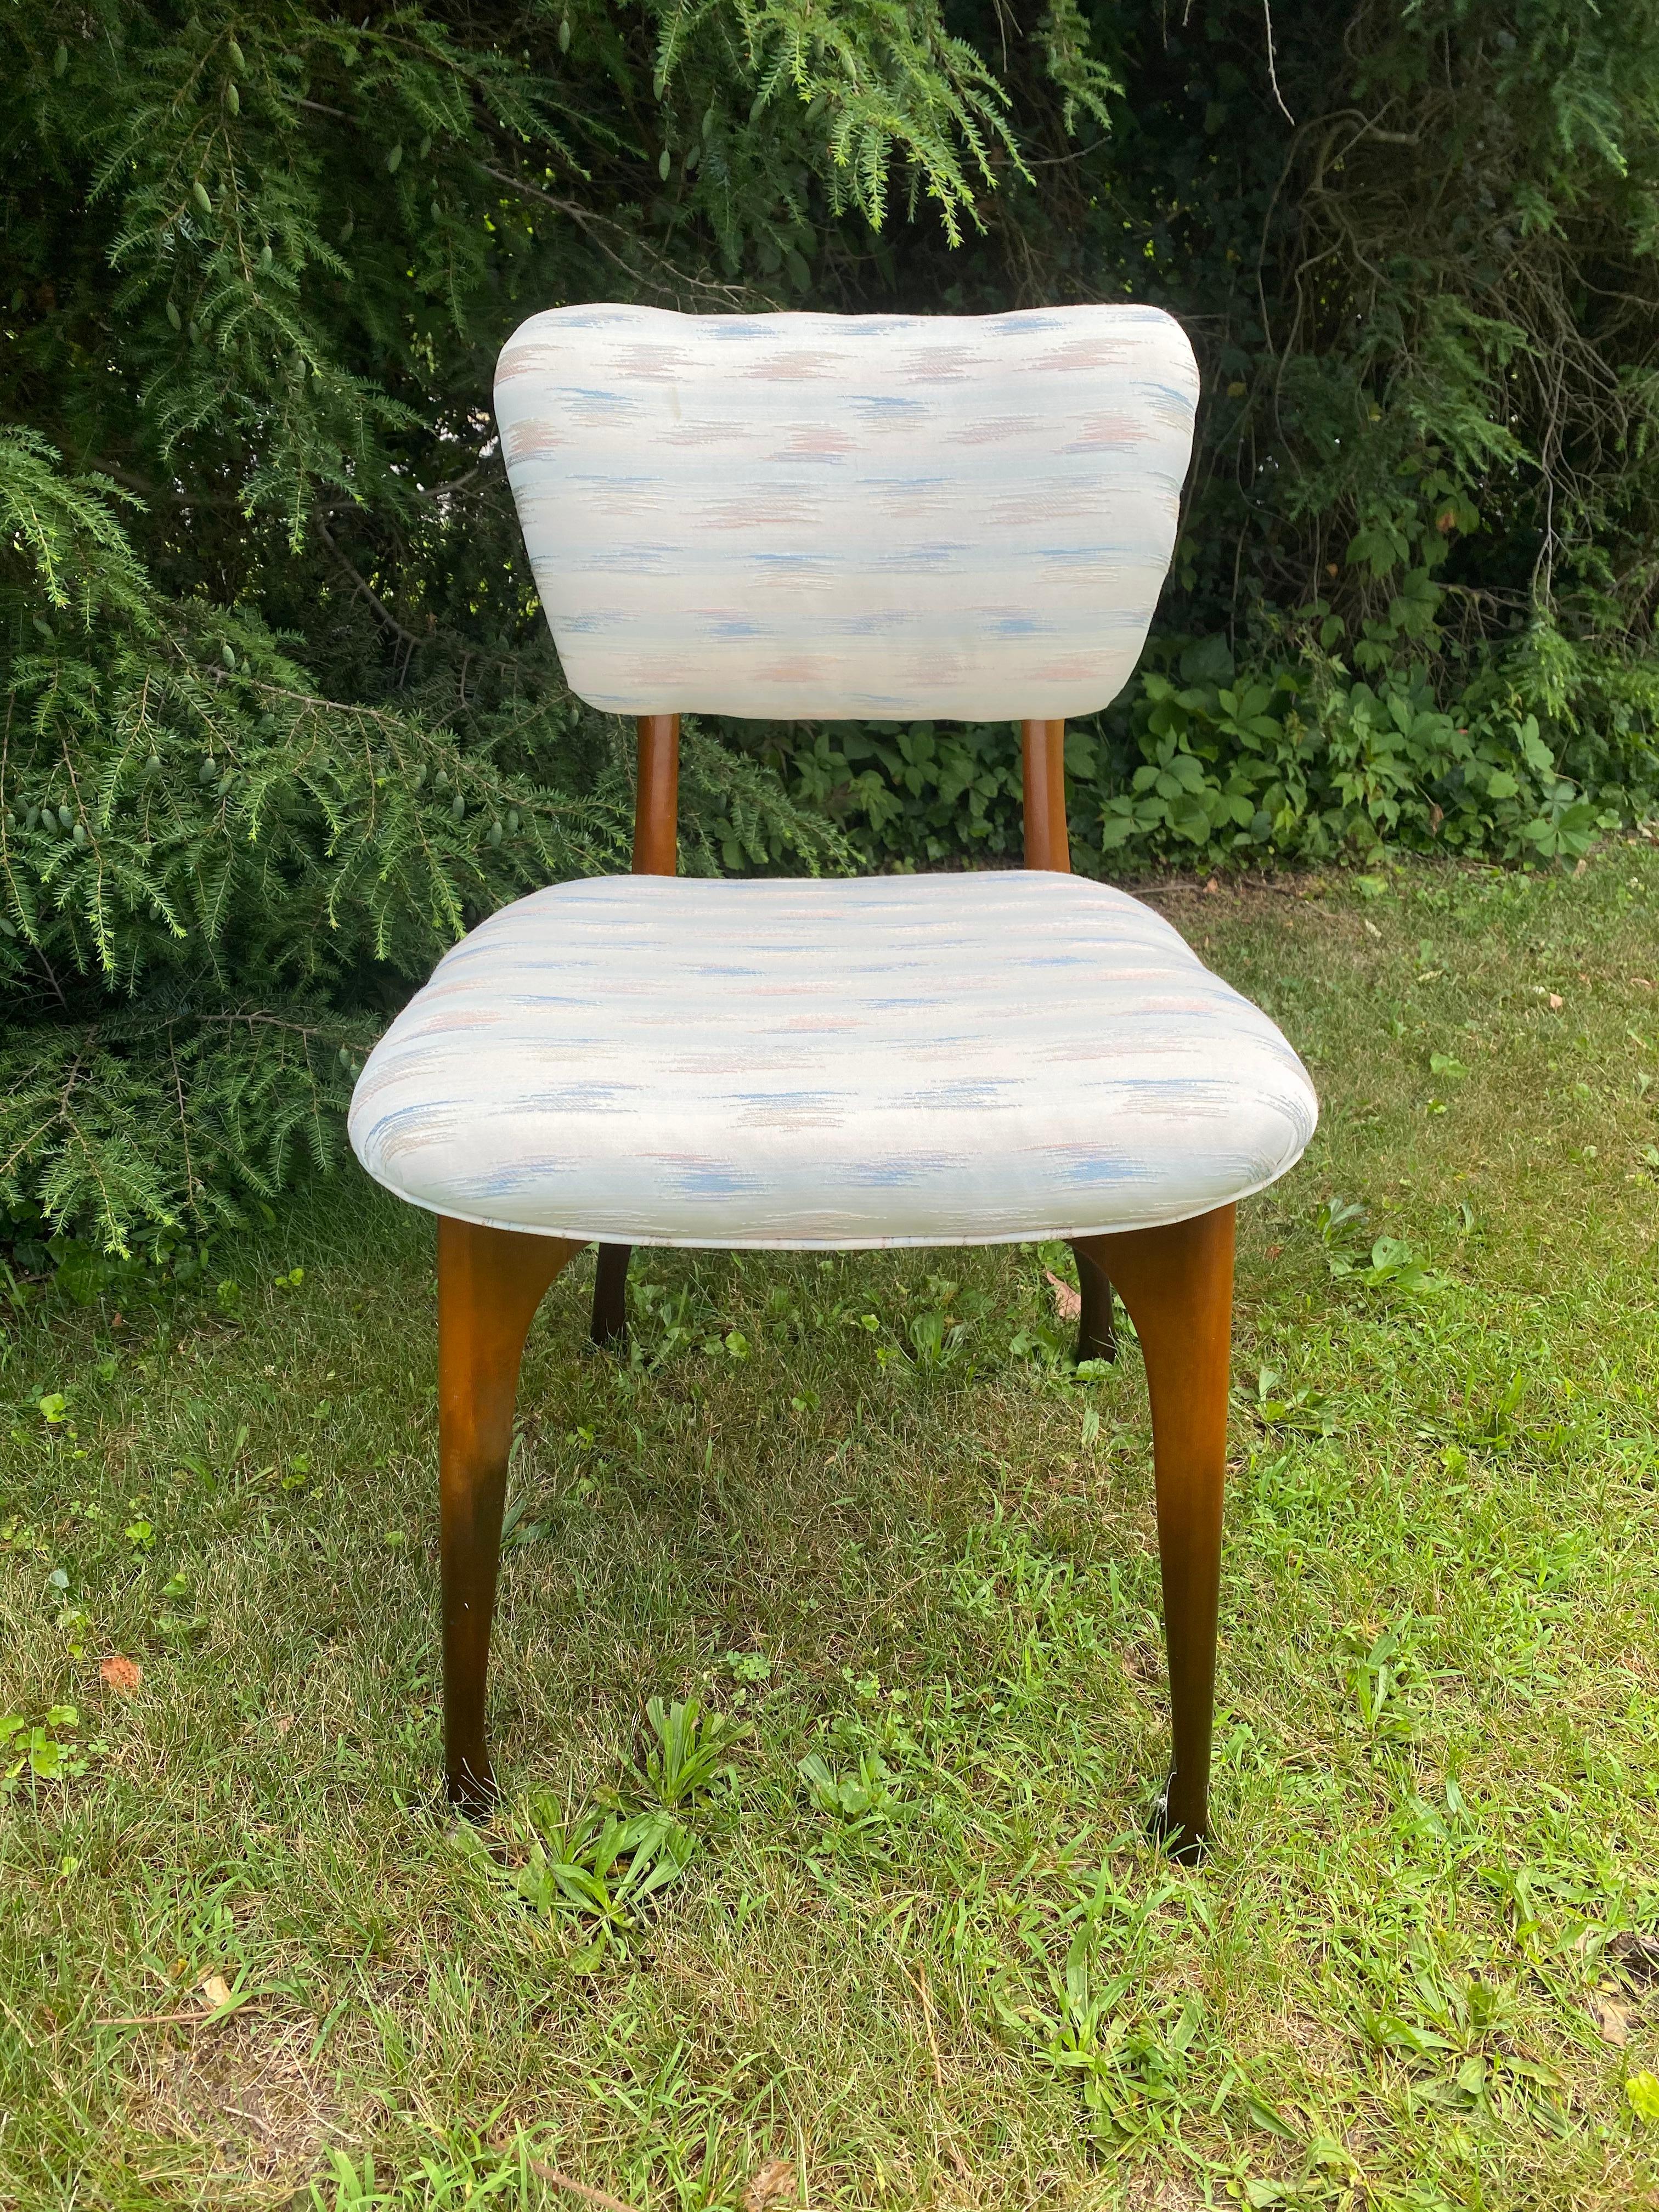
point(911, 1059)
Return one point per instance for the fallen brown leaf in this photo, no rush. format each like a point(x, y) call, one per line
point(1611, 2017)
point(1069, 1302)
point(1556, 1002)
point(216, 1990)
point(120, 1674)
point(766, 2183)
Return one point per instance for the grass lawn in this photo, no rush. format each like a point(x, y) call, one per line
point(920, 1951)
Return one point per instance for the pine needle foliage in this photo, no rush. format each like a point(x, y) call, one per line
point(281, 721)
point(204, 866)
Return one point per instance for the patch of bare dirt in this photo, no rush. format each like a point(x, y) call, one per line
point(243, 2090)
point(1298, 903)
point(1147, 2190)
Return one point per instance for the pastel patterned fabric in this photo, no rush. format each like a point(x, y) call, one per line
point(868, 516)
point(933, 1059)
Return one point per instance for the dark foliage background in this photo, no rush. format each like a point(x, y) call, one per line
point(282, 716)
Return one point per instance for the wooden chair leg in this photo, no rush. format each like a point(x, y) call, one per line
point(1097, 1337)
point(1178, 1284)
point(610, 1293)
point(490, 1282)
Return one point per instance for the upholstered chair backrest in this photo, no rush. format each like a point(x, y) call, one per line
point(852, 516)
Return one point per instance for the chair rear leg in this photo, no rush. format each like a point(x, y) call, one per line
point(490, 1282)
point(1178, 1284)
point(1096, 1335)
point(610, 1293)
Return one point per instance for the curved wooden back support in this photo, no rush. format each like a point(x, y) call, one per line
point(657, 795)
point(1043, 758)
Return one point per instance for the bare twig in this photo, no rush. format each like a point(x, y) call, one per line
point(168, 2019)
point(191, 1184)
point(593, 224)
point(271, 1021)
point(577, 2188)
point(378, 607)
point(1272, 74)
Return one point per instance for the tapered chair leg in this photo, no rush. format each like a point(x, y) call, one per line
point(1097, 1336)
point(610, 1293)
point(1178, 1284)
point(490, 1282)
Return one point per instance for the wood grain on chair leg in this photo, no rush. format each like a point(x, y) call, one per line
point(610, 1293)
point(1178, 1284)
point(1096, 1335)
point(1042, 770)
point(490, 1282)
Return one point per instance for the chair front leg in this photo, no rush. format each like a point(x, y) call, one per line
point(1178, 1284)
point(490, 1282)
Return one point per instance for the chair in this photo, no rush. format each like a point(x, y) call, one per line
point(807, 515)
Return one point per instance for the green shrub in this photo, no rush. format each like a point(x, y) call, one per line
point(1296, 761)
